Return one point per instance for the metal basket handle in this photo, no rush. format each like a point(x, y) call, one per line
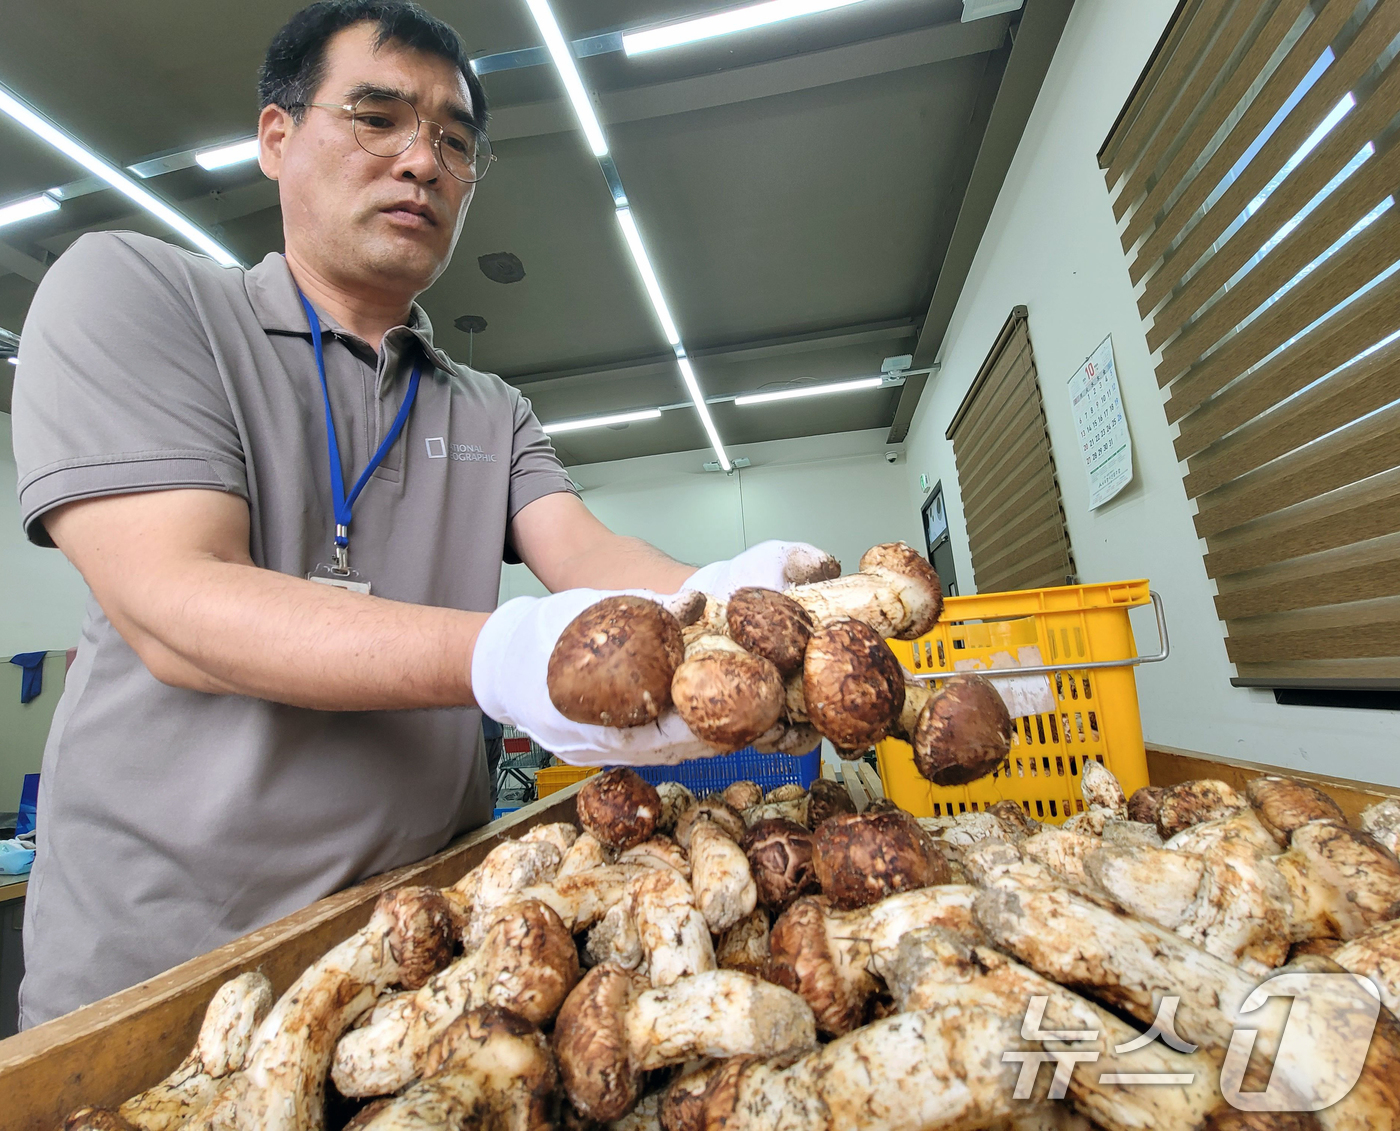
point(1163, 651)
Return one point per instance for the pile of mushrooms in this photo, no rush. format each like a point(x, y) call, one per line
point(779, 670)
point(754, 960)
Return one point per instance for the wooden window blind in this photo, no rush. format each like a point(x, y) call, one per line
point(1252, 170)
point(1011, 496)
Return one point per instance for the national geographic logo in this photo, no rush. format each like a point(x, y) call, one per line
point(439, 448)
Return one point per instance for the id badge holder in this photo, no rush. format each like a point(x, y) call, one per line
point(346, 578)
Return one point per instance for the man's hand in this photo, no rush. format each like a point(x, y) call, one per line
point(769, 565)
point(509, 670)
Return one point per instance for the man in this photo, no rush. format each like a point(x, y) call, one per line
point(237, 738)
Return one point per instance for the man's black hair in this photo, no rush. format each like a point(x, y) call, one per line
point(296, 59)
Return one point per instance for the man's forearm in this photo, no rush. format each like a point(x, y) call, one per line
point(620, 562)
point(230, 628)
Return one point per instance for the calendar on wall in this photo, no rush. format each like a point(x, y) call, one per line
point(1103, 429)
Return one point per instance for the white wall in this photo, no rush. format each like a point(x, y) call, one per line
point(836, 492)
point(41, 595)
point(1052, 245)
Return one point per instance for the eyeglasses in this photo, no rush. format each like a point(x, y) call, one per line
point(385, 126)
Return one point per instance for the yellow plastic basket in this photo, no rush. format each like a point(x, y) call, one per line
point(551, 779)
point(1087, 652)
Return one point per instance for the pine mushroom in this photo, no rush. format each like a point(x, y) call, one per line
point(527, 962)
point(825, 799)
point(852, 686)
point(1284, 804)
point(282, 1084)
point(723, 883)
point(727, 696)
point(742, 794)
point(896, 593)
point(612, 1029)
point(618, 807)
point(834, 959)
point(233, 1015)
point(744, 947)
point(771, 625)
point(780, 859)
point(1382, 821)
point(675, 800)
point(860, 858)
point(489, 1071)
point(713, 808)
point(1376, 955)
point(613, 663)
point(964, 733)
point(1189, 803)
point(1143, 804)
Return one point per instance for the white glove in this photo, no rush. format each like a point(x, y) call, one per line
point(769, 565)
point(509, 668)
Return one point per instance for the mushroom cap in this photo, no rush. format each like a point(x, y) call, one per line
point(1143, 804)
point(742, 794)
point(923, 595)
point(683, 1103)
point(800, 960)
point(788, 791)
point(675, 800)
point(770, 624)
point(861, 857)
point(619, 807)
point(728, 699)
point(590, 1044)
point(713, 808)
point(613, 664)
point(536, 960)
point(421, 935)
point(826, 798)
point(1284, 804)
point(1014, 819)
point(852, 684)
point(964, 733)
point(780, 859)
point(1189, 803)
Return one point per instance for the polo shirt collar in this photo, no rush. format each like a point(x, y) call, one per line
point(273, 295)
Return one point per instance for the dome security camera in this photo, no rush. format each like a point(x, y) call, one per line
point(891, 457)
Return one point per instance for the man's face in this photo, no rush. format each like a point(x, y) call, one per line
point(367, 223)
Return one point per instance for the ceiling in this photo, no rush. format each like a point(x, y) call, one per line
point(810, 193)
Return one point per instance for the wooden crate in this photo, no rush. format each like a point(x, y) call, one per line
point(110, 1050)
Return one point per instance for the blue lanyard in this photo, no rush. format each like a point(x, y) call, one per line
point(343, 504)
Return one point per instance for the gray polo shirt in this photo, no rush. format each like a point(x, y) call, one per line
point(172, 821)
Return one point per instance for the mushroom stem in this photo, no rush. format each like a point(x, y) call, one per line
point(527, 963)
point(283, 1081)
point(488, 1071)
point(720, 877)
point(235, 1012)
point(896, 593)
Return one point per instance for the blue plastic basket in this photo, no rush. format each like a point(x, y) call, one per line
point(709, 775)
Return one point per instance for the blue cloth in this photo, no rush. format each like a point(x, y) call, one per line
point(32, 683)
point(28, 805)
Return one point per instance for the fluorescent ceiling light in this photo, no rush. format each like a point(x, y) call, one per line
point(13, 360)
point(601, 421)
point(724, 23)
point(639, 254)
point(563, 58)
point(811, 391)
point(224, 155)
point(703, 409)
point(24, 209)
point(70, 147)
